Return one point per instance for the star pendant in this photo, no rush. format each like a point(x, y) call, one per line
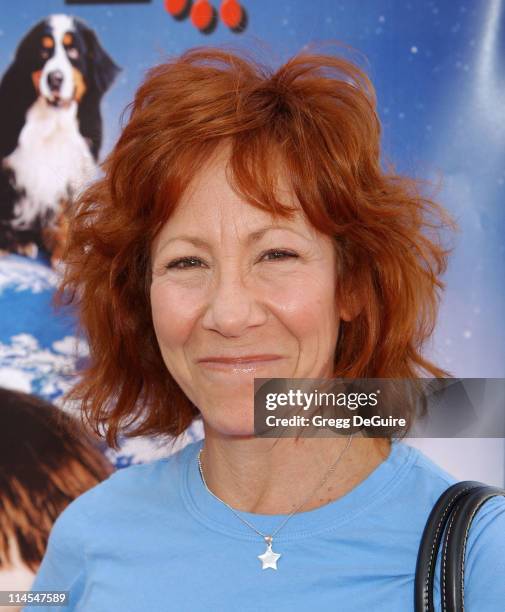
point(269, 558)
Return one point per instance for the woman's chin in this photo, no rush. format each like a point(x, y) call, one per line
point(229, 425)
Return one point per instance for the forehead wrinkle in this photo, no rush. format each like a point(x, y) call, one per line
point(250, 238)
point(207, 209)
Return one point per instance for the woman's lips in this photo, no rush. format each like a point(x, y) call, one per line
point(243, 364)
point(241, 359)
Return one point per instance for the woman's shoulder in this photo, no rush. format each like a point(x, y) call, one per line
point(412, 480)
point(486, 537)
point(136, 485)
point(423, 481)
point(105, 514)
point(485, 546)
point(426, 469)
point(416, 494)
point(495, 505)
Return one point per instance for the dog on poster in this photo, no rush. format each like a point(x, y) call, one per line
point(50, 131)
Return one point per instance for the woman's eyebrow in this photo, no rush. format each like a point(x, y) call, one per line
point(198, 242)
point(252, 237)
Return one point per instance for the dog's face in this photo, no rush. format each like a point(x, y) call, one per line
point(65, 59)
point(62, 50)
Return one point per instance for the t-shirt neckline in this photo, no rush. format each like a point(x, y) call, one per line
point(217, 516)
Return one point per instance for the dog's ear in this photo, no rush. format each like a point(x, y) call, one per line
point(17, 93)
point(103, 69)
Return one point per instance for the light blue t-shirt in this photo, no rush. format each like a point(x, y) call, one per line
point(152, 538)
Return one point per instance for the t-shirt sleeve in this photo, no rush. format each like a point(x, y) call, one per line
point(485, 558)
point(63, 567)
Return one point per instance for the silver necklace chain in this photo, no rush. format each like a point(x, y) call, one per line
point(269, 558)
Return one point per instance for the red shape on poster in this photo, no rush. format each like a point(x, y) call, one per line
point(202, 14)
point(176, 8)
point(231, 13)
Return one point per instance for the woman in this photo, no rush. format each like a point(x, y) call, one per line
point(244, 228)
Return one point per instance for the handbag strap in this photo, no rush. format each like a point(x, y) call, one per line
point(453, 553)
point(455, 509)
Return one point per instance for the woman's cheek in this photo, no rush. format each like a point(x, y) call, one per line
point(175, 309)
point(297, 307)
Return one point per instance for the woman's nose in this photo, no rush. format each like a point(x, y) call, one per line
point(234, 307)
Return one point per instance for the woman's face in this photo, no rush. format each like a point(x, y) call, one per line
point(237, 294)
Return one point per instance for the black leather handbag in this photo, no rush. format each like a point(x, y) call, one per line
point(451, 517)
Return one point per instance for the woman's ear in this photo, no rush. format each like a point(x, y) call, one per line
point(347, 314)
point(351, 304)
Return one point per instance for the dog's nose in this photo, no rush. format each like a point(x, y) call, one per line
point(54, 80)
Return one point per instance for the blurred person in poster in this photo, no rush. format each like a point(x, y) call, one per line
point(46, 461)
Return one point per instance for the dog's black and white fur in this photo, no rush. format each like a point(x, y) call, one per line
point(50, 130)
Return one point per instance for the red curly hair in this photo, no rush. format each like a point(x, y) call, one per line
point(317, 113)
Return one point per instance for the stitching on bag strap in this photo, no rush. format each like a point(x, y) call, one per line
point(463, 559)
point(449, 527)
point(430, 562)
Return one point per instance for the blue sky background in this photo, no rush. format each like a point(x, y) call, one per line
point(438, 68)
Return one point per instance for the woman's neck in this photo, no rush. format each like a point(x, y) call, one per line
point(274, 476)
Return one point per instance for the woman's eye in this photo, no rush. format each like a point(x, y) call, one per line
point(184, 262)
point(194, 262)
point(278, 254)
